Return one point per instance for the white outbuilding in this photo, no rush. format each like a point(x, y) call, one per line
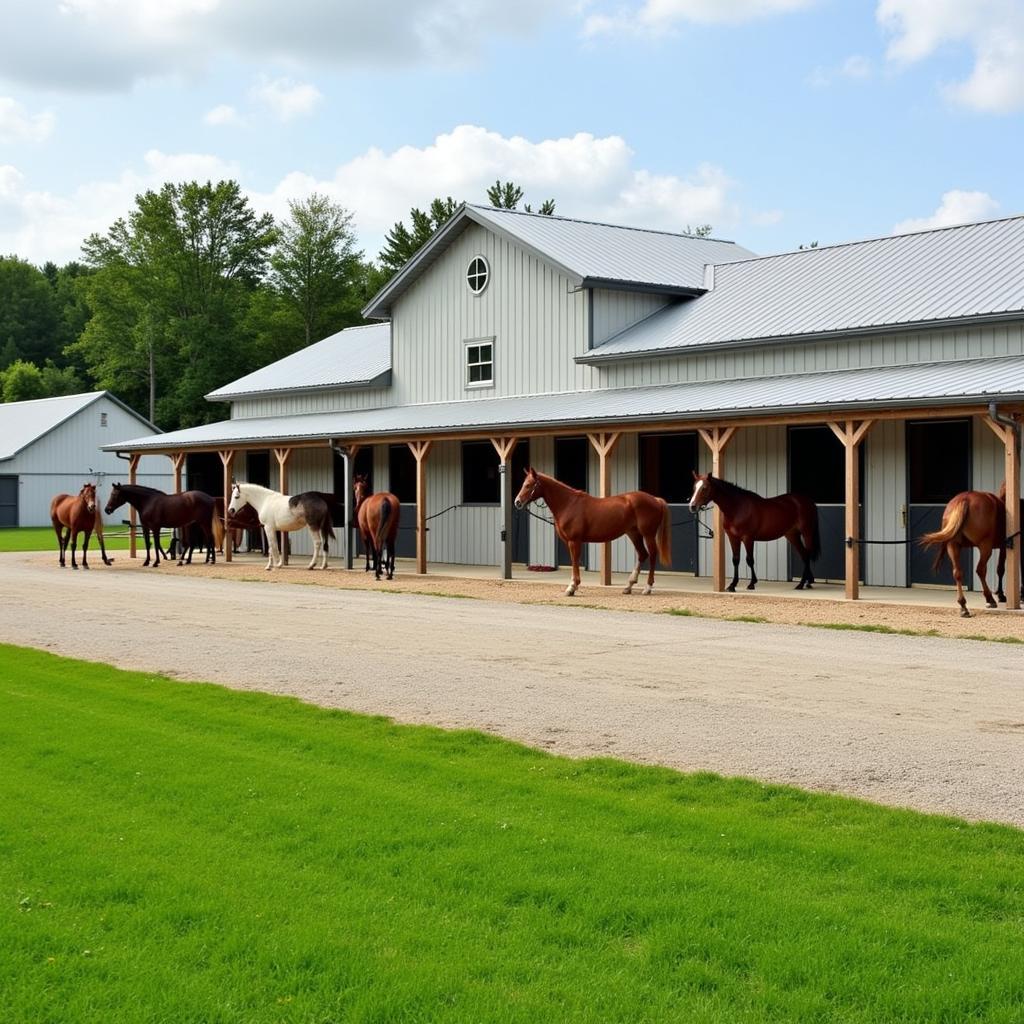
point(52, 445)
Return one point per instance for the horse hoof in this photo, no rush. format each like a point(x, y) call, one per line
point(964, 613)
point(84, 566)
point(75, 567)
point(648, 591)
point(628, 590)
point(991, 604)
point(731, 589)
point(799, 586)
point(1002, 599)
point(751, 586)
point(570, 592)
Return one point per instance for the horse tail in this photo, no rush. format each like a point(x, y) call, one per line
point(815, 550)
point(952, 523)
point(382, 524)
point(665, 536)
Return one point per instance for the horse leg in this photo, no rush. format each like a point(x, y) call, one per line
point(272, 558)
point(735, 544)
point(984, 553)
point(652, 554)
point(85, 549)
point(378, 559)
point(806, 579)
point(574, 556)
point(1000, 573)
point(953, 550)
point(641, 556)
point(316, 548)
point(391, 557)
point(750, 562)
point(62, 540)
point(74, 544)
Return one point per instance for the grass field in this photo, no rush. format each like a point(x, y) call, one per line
point(184, 853)
point(42, 538)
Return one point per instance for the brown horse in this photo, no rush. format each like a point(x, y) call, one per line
point(973, 519)
point(377, 517)
point(75, 515)
point(157, 510)
point(581, 518)
point(748, 517)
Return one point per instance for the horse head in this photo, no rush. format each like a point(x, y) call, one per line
point(361, 488)
point(116, 500)
point(88, 495)
point(237, 501)
point(701, 491)
point(531, 485)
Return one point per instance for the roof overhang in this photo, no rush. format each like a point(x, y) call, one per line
point(382, 380)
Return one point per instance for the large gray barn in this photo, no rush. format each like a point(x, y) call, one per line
point(875, 375)
point(53, 445)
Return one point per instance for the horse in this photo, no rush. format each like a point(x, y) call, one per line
point(277, 511)
point(377, 516)
point(581, 518)
point(973, 519)
point(157, 510)
point(77, 514)
point(241, 521)
point(748, 517)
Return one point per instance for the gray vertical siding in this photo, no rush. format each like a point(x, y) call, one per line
point(614, 311)
point(885, 497)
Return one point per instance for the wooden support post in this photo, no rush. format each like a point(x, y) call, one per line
point(177, 461)
point(505, 446)
point(348, 453)
point(717, 439)
point(227, 460)
point(1010, 436)
point(851, 434)
point(604, 444)
point(420, 451)
point(283, 455)
point(133, 476)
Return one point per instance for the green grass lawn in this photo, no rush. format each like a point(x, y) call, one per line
point(184, 853)
point(42, 538)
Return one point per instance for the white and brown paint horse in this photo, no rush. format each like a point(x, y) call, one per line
point(284, 512)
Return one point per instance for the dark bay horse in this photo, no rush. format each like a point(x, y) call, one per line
point(747, 517)
point(973, 519)
point(75, 514)
point(158, 510)
point(377, 517)
point(581, 518)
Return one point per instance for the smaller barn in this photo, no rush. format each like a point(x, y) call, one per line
point(52, 445)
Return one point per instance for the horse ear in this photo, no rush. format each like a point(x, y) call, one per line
point(696, 475)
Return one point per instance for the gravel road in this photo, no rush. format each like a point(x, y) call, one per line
point(928, 723)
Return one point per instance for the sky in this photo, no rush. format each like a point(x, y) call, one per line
point(779, 122)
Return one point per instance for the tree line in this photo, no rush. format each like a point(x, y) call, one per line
point(193, 289)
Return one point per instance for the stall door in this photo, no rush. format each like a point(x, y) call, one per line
point(817, 468)
point(362, 466)
point(938, 467)
point(571, 455)
point(8, 501)
point(667, 462)
point(402, 484)
point(520, 517)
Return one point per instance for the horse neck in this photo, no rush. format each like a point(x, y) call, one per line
point(555, 493)
point(134, 494)
point(255, 495)
point(725, 495)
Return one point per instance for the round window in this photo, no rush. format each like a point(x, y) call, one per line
point(477, 275)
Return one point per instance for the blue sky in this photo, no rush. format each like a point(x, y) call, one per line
point(780, 122)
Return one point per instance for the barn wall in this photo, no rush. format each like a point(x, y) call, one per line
point(69, 456)
point(613, 311)
point(885, 497)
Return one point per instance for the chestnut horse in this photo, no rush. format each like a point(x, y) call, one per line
point(748, 517)
point(377, 517)
point(581, 518)
point(157, 510)
point(78, 514)
point(973, 519)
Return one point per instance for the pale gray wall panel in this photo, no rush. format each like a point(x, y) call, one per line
point(542, 536)
point(613, 311)
point(885, 496)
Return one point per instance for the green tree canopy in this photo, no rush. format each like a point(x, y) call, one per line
point(169, 295)
point(30, 320)
point(22, 381)
point(507, 195)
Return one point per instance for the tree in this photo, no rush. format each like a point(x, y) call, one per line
point(316, 264)
point(170, 291)
point(507, 196)
point(401, 244)
point(22, 381)
point(700, 231)
point(30, 324)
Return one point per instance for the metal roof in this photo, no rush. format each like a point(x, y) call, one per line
point(974, 271)
point(932, 384)
point(22, 423)
point(590, 253)
point(355, 357)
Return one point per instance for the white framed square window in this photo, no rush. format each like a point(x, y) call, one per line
point(479, 362)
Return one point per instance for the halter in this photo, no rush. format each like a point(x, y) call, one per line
point(533, 491)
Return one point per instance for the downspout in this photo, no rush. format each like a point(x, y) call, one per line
point(344, 453)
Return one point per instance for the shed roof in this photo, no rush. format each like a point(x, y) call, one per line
point(884, 387)
point(969, 272)
point(22, 423)
point(588, 252)
point(354, 357)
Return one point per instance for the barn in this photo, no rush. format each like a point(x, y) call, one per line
point(881, 377)
point(54, 445)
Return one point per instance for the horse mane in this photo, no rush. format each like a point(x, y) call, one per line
point(561, 483)
point(256, 487)
point(140, 487)
point(734, 489)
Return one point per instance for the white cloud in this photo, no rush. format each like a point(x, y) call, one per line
point(957, 207)
point(222, 114)
point(112, 44)
point(287, 99)
point(17, 125)
point(992, 29)
point(587, 176)
point(659, 16)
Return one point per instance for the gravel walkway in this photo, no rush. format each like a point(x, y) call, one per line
point(929, 723)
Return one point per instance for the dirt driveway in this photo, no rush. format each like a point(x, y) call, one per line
point(935, 724)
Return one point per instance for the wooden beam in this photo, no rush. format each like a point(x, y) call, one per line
point(604, 444)
point(133, 476)
point(177, 461)
point(851, 434)
point(717, 439)
point(283, 456)
point(420, 451)
point(505, 446)
point(227, 461)
point(1013, 523)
